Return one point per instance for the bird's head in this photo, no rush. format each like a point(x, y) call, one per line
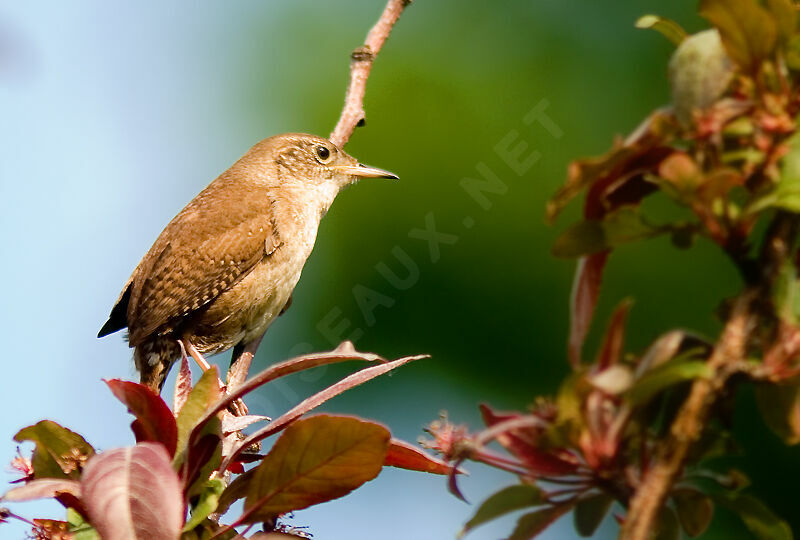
point(313, 162)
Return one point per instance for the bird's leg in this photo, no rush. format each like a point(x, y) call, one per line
point(186, 346)
point(241, 360)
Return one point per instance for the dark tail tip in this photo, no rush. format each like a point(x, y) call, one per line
point(119, 315)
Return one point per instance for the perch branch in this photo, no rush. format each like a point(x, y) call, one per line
point(361, 61)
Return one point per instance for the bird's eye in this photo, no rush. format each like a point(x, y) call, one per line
point(323, 154)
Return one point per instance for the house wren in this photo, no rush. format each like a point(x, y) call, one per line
point(225, 266)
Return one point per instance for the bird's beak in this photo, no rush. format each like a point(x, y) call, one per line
point(362, 171)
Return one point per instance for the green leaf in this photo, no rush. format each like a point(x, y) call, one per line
point(504, 501)
point(793, 52)
point(780, 407)
point(530, 525)
point(204, 393)
point(748, 30)
point(315, 460)
point(755, 515)
point(590, 511)
point(679, 369)
point(785, 293)
point(79, 527)
point(206, 504)
point(785, 15)
point(695, 510)
point(666, 27)
point(60, 453)
point(593, 236)
point(786, 194)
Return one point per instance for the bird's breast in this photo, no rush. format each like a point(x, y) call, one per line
point(244, 312)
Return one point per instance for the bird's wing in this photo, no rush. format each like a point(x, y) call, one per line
point(202, 252)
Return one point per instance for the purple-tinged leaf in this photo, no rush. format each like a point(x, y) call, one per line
point(43, 488)
point(407, 456)
point(315, 460)
point(133, 493)
point(530, 525)
point(504, 501)
point(310, 403)
point(183, 386)
point(232, 424)
point(585, 291)
point(611, 350)
point(60, 453)
point(452, 480)
point(523, 443)
point(154, 421)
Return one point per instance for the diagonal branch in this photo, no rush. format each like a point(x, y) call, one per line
point(651, 494)
point(728, 357)
point(361, 61)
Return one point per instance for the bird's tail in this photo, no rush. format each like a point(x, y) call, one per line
point(153, 359)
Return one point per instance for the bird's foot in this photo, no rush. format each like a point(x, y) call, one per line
point(237, 407)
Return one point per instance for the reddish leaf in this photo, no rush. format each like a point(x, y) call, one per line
point(585, 290)
point(193, 416)
point(315, 460)
point(524, 444)
point(133, 493)
point(343, 352)
point(60, 453)
point(611, 350)
point(407, 456)
point(617, 178)
point(351, 381)
point(201, 454)
point(154, 421)
point(43, 488)
point(183, 386)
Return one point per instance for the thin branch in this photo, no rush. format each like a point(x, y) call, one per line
point(361, 61)
point(728, 357)
point(688, 426)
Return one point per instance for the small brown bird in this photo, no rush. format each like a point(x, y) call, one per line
point(225, 266)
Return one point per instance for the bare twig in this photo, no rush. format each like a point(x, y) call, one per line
point(361, 61)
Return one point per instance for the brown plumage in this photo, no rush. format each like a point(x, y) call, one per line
point(227, 264)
